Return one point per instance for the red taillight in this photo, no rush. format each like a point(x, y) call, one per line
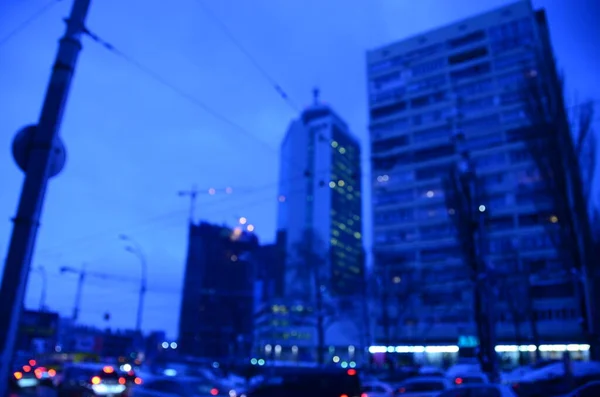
point(26, 368)
point(214, 392)
point(32, 362)
point(401, 390)
point(137, 381)
point(364, 395)
point(344, 395)
point(351, 372)
point(121, 381)
point(96, 380)
point(458, 381)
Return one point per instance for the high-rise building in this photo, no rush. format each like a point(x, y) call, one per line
point(469, 76)
point(320, 192)
point(319, 221)
point(216, 315)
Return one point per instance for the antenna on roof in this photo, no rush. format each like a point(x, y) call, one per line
point(316, 93)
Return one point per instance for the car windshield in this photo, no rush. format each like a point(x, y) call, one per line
point(424, 385)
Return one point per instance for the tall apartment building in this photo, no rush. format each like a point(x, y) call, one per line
point(467, 75)
point(319, 192)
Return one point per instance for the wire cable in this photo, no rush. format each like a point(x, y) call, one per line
point(182, 93)
point(272, 82)
point(26, 23)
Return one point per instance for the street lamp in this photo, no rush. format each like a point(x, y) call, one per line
point(135, 248)
point(42, 270)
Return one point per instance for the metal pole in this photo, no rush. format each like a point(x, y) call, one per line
point(43, 293)
point(38, 171)
point(143, 288)
point(136, 249)
point(78, 294)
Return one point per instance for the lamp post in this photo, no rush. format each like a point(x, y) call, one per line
point(42, 270)
point(134, 247)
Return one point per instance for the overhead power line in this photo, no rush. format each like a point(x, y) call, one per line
point(272, 82)
point(180, 92)
point(23, 25)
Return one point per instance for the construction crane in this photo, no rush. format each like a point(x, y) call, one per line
point(83, 274)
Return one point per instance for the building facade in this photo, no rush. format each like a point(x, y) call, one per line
point(320, 215)
point(216, 315)
point(468, 76)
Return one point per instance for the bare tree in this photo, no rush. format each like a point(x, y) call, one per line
point(309, 263)
point(586, 147)
point(551, 146)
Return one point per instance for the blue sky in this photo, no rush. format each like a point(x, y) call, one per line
point(133, 143)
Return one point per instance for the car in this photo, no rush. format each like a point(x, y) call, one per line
point(423, 386)
point(479, 390)
point(177, 386)
point(88, 380)
point(590, 389)
point(377, 389)
point(468, 379)
point(131, 377)
point(305, 381)
point(23, 377)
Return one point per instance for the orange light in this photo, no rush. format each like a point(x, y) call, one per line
point(96, 380)
point(51, 372)
point(32, 362)
point(121, 381)
point(137, 381)
point(18, 375)
point(38, 373)
point(344, 395)
point(458, 381)
point(108, 369)
point(351, 372)
point(26, 368)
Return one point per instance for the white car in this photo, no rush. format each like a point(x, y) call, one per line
point(470, 379)
point(480, 390)
point(377, 389)
point(423, 386)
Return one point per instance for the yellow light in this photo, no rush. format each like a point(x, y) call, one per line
point(341, 183)
point(397, 280)
point(332, 184)
point(250, 228)
point(342, 150)
point(357, 235)
point(334, 144)
point(243, 220)
point(554, 219)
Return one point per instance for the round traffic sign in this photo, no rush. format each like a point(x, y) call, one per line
point(22, 146)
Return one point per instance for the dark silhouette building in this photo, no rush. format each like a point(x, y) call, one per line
point(218, 294)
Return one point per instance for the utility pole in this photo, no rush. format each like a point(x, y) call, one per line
point(136, 249)
point(466, 206)
point(43, 293)
point(80, 281)
point(193, 195)
point(39, 152)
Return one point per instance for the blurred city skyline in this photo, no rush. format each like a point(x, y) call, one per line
point(133, 143)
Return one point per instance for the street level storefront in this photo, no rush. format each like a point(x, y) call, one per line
point(447, 355)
